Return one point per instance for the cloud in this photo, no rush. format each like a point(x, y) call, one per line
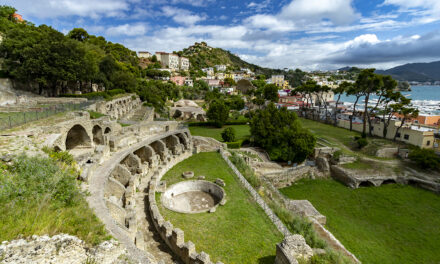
point(127, 30)
point(63, 8)
point(366, 50)
point(182, 16)
point(339, 12)
point(427, 10)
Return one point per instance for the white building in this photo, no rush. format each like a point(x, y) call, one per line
point(220, 67)
point(184, 63)
point(209, 71)
point(189, 82)
point(168, 60)
point(144, 54)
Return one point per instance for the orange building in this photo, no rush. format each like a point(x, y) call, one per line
point(18, 17)
point(429, 120)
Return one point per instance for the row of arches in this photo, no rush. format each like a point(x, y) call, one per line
point(77, 137)
point(372, 184)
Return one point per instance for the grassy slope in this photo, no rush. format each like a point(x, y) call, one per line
point(241, 131)
point(38, 197)
point(387, 224)
point(343, 138)
point(238, 232)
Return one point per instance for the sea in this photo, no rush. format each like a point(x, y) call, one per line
point(422, 93)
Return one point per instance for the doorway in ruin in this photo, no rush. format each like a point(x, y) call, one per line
point(98, 139)
point(107, 130)
point(77, 138)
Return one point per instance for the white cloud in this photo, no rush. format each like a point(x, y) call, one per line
point(63, 8)
point(427, 10)
point(182, 16)
point(127, 30)
point(305, 11)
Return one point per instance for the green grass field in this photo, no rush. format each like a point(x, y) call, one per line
point(242, 131)
point(238, 232)
point(387, 224)
point(342, 138)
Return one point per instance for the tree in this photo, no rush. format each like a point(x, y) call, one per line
point(229, 82)
point(201, 85)
point(321, 91)
point(270, 92)
point(357, 92)
point(406, 112)
point(280, 133)
point(7, 12)
point(342, 89)
point(390, 108)
point(154, 58)
point(383, 90)
point(79, 34)
point(369, 83)
point(425, 158)
point(218, 113)
point(228, 134)
point(235, 102)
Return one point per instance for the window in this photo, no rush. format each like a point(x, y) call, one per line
point(406, 136)
point(428, 143)
point(398, 135)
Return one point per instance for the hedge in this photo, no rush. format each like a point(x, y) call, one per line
point(236, 144)
point(210, 123)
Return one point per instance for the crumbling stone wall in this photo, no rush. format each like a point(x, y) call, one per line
point(119, 107)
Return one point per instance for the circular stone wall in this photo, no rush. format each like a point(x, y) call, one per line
point(192, 196)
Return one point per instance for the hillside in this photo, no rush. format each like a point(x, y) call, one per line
point(201, 56)
point(419, 72)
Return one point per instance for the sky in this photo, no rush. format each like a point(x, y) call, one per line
point(305, 34)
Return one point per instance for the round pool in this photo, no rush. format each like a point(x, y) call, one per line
point(192, 196)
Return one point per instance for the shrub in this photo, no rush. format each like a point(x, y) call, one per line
point(425, 158)
point(228, 134)
point(40, 196)
point(362, 142)
point(234, 145)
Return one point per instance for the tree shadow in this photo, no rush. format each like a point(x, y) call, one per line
point(266, 260)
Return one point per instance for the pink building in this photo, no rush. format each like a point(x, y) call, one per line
point(179, 80)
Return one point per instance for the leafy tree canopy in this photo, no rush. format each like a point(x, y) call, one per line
point(280, 133)
point(218, 112)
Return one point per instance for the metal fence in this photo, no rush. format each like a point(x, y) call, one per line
point(16, 117)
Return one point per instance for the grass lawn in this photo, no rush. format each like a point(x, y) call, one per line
point(238, 232)
point(332, 136)
point(242, 131)
point(387, 224)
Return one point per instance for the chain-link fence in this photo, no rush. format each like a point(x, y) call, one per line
point(15, 118)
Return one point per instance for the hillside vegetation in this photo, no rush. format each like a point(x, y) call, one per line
point(41, 196)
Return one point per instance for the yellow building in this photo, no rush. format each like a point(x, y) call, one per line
point(412, 134)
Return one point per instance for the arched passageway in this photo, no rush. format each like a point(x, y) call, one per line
point(98, 139)
point(77, 137)
point(107, 130)
point(366, 184)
